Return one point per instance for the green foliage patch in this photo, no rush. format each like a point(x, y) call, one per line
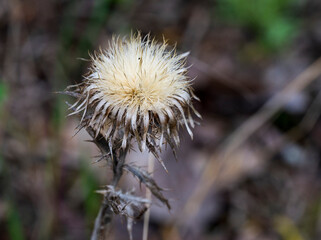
point(272, 21)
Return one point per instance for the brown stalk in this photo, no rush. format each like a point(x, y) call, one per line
point(215, 166)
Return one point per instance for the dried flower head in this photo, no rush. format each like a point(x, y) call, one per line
point(137, 89)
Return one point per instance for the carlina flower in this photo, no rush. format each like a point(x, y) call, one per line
point(137, 89)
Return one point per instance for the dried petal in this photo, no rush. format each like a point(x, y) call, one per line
point(134, 89)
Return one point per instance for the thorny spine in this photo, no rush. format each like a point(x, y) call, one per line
point(115, 158)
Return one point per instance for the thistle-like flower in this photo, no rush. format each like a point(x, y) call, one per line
point(137, 88)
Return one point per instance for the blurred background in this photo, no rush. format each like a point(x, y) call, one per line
point(252, 170)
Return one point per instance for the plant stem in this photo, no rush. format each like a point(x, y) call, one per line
point(105, 213)
point(148, 196)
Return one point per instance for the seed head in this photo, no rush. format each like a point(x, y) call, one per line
point(136, 88)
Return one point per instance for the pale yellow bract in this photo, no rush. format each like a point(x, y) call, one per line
point(137, 88)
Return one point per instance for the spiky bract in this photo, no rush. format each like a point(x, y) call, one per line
point(137, 89)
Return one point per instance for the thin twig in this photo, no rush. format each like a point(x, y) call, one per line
point(241, 135)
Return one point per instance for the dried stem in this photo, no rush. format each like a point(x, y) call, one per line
point(149, 197)
point(102, 220)
point(105, 213)
point(239, 137)
point(116, 202)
